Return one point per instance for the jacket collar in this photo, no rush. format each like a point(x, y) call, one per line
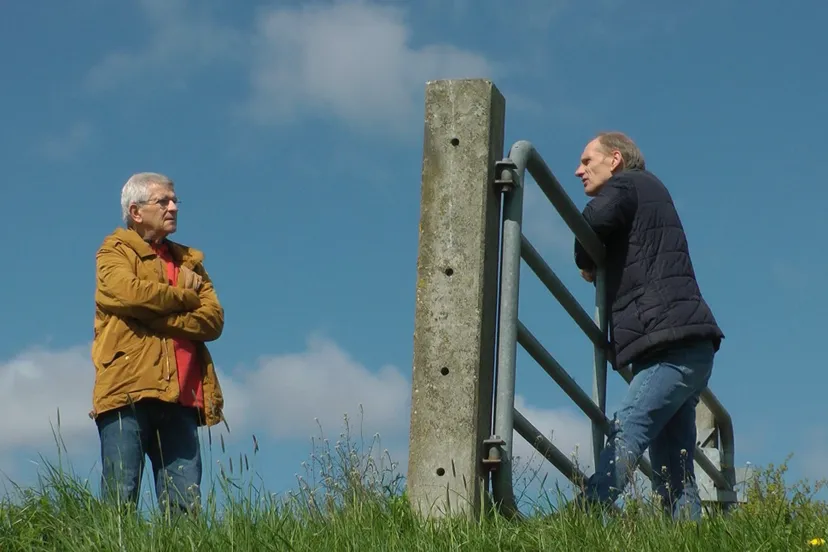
point(186, 255)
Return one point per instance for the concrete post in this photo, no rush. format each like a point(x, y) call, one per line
point(456, 298)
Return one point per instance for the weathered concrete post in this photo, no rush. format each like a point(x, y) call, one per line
point(456, 301)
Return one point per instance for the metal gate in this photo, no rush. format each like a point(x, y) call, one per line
point(716, 461)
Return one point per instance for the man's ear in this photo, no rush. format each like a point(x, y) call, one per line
point(617, 161)
point(135, 214)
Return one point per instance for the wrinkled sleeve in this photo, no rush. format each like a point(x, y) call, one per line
point(202, 324)
point(119, 290)
point(611, 211)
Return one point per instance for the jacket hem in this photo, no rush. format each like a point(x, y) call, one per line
point(664, 339)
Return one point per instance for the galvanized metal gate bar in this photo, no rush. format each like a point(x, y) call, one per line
point(511, 332)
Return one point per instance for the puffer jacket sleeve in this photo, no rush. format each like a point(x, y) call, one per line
point(612, 210)
point(120, 292)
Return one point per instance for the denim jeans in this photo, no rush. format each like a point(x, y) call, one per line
point(168, 434)
point(659, 412)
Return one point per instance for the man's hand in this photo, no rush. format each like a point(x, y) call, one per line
point(588, 275)
point(191, 280)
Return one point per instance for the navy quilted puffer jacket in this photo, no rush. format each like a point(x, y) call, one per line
point(651, 284)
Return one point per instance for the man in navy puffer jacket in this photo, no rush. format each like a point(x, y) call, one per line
point(660, 324)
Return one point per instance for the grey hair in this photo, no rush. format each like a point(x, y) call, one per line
point(137, 190)
point(618, 141)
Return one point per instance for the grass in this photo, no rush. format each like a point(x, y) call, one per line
point(352, 498)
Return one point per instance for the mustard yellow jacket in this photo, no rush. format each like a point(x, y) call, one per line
point(137, 313)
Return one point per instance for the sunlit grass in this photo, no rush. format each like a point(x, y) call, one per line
point(350, 496)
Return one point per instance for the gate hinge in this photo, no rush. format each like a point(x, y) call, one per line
point(504, 175)
point(492, 452)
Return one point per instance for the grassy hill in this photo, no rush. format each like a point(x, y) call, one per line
point(350, 501)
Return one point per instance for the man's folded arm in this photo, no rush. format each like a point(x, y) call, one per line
point(202, 324)
point(582, 258)
point(613, 209)
point(120, 292)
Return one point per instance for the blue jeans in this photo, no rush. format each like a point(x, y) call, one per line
point(168, 433)
point(659, 412)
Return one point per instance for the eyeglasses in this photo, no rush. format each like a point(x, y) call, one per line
point(163, 203)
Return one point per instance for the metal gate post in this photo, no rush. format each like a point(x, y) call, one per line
point(456, 297)
point(599, 376)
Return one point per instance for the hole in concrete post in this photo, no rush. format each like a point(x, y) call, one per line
point(449, 271)
point(455, 142)
point(444, 370)
point(441, 472)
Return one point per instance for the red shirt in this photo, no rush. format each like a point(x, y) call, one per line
point(186, 354)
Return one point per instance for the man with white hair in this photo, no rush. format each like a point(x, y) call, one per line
point(155, 383)
point(660, 324)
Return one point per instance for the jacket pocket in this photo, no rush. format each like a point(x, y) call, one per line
point(121, 354)
point(133, 368)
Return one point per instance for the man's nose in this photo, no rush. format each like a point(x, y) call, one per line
point(172, 207)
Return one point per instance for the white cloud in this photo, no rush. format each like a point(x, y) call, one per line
point(281, 398)
point(66, 145)
point(351, 60)
point(567, 428)
point(181, 41)
point(283, 395)
point(293, 390)
point(34, 386)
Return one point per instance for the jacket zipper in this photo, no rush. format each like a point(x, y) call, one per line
point(167, 358)
point(164, 339)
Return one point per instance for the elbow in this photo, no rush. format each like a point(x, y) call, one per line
point(203, 326)
point(582, 259)
point(216, 328)
point(213, 333)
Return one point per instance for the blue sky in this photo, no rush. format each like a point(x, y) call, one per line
point(294, 133)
